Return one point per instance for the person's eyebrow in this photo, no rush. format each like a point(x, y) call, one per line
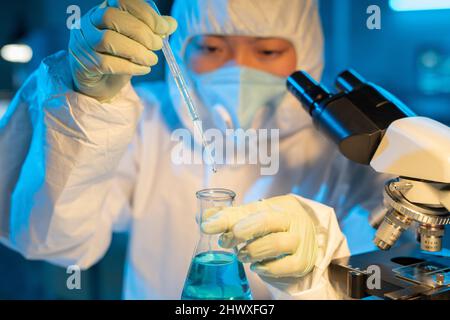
point(201, 38)
point(265, 39)
point(213, 36)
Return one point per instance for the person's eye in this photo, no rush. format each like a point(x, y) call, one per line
point(208, 49)
point(270, 53)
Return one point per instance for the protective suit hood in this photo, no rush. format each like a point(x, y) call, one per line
point(294, 20)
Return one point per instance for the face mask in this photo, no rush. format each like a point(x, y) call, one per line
point(239, 97)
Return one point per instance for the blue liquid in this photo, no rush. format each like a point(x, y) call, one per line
point(216, 275)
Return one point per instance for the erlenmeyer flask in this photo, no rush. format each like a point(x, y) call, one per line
point(215, 273)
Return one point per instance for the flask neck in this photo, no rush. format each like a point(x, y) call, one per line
point(210, 202)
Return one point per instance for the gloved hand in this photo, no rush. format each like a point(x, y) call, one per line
point(278, 233)
point(115, 42)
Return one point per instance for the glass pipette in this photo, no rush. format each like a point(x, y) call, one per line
point(184, 92)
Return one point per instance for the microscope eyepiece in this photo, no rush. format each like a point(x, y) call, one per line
point(349, 80)
point(307, 90)
point(356, 119)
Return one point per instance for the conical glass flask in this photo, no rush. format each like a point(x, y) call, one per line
point(215, 273)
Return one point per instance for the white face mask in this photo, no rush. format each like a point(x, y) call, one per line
point(239, 97)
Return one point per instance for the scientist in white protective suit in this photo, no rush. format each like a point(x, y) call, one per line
point(83, 153)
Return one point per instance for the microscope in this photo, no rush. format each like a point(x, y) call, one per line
point(372, 127)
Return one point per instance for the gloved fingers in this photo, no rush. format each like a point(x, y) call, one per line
point(119, 66)
point(173, 24)
point(97, 63)
point(288, 266)
point(210, 212)
point(207, 213)
point(271, 246)
point(124, 23)
point(104, 65)
point(223, 220)
point(90, 42)
point(115, 44)
point(144, 12)
point(227, 240)
point(254, 226)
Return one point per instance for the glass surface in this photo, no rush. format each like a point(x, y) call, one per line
point(215, 272)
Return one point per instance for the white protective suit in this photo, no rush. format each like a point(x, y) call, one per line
point(75, 169)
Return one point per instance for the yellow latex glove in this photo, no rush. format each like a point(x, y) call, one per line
point(278, 233)
point(116, 41)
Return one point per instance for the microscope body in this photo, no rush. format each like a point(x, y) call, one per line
point(372, 127)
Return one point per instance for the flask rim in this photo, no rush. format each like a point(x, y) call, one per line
point(215, 194)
